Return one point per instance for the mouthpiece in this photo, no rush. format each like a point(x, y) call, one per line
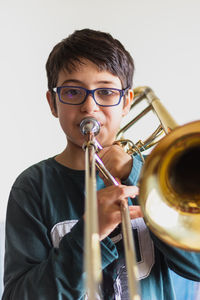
point(89, 125)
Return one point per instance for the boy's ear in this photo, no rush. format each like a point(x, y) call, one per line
point(127, 102)
point(52, 103)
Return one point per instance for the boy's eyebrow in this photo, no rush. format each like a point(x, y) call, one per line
point(81, 82)
point(71, 80)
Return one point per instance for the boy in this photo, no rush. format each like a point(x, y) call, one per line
point(89, 75)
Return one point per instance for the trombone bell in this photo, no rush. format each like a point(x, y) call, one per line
point(170, 188)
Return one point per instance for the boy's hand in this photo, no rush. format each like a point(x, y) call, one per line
point(117, 161)
point(110, 200)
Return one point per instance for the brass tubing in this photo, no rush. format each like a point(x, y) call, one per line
point(92, 254)
point(167, 121)
point(92, 258)
point(129, 247)
point(132, 122)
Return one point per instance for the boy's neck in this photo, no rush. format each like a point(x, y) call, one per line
point(72, 157)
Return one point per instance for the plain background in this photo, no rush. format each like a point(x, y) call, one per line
point(162, 36)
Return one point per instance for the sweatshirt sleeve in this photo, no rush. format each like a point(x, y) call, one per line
point(184, 263)
point(135, 171)
point(34, 269)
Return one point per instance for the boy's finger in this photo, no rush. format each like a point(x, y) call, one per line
point(135, 212)
point(127, 191)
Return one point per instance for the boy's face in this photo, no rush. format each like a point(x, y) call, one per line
point(88, 76)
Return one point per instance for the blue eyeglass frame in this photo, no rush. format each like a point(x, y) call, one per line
point(122, 94)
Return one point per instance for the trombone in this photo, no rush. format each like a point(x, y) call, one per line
point(169, 188)
point(90, 128)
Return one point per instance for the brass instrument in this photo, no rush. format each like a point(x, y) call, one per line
point(170, 179)
point(169, 189)
point(90, 127)
point(92, 254)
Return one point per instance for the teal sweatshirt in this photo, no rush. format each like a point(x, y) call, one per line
point(44, 242)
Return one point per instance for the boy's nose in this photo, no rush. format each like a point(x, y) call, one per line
point(89, 105)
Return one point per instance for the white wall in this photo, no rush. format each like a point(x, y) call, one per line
point(162, 36)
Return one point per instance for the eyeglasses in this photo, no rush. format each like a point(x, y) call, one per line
point(75, 95)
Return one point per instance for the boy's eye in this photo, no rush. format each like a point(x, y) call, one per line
point(71, 92)
point(106, 92)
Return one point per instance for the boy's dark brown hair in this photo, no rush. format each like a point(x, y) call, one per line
point(99, 47)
